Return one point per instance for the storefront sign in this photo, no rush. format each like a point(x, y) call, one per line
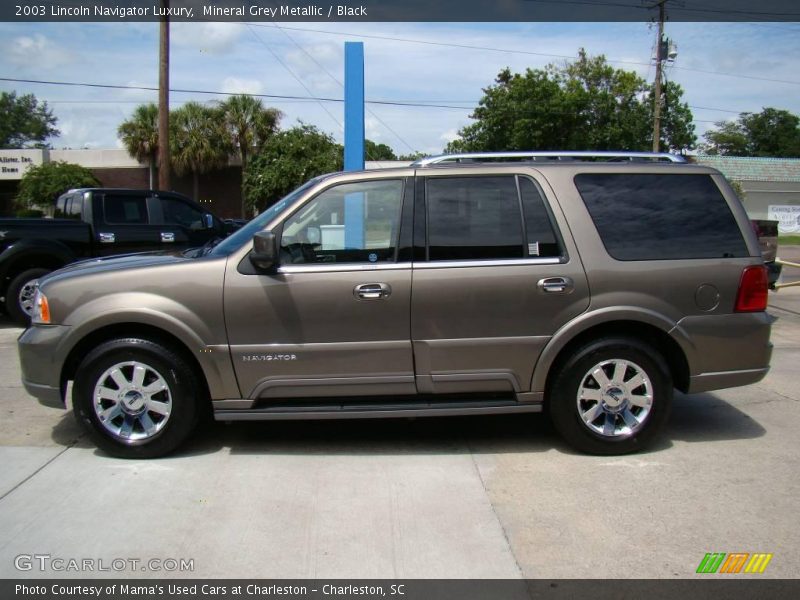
point(787, 216)
point(14, 163)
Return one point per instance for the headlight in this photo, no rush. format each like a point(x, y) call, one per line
point(41, 309)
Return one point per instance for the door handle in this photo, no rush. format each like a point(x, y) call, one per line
point(372, 291)
point(555, 285)
point(167, 236)
point(107, 238)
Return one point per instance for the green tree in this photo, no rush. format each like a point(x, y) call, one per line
point(772, 132)
point(199, 141)
point(290, 159)
point(24, 122)
point(42, 184)
point(249, 126)
point(375, 151)
point(677, 129)
point(139, 134)
point(583, 105)
point(412, 156)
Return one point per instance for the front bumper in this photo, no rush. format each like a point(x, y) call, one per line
point(41, 363)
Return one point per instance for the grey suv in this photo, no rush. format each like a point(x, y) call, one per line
point(586, 285)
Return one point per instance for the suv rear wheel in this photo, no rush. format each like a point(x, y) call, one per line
point(136, 398)
point(611, 396)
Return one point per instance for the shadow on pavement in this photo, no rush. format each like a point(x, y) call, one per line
point(435, 435)
point(67, 432)
point(707, 418)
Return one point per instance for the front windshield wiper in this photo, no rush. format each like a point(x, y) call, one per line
point(204, 249)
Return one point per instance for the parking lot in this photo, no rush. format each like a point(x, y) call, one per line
point(471, 497)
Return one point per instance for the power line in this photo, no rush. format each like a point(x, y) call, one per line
point(328, 73)
point(308, 91)
point(526, 52)
point(218, 93)
point(286, 98)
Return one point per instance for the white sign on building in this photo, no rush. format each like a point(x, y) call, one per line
point(787, 216)
point(14, 163)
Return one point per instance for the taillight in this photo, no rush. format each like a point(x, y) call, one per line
point(753, 290)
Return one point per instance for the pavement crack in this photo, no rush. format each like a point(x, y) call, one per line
point(37, 471)
point(494, 511)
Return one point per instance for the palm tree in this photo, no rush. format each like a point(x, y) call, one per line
point(198, 140)
point(139, 134)
point(249, 125)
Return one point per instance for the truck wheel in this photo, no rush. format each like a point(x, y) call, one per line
point(136, 398)
point(612, 396)
point(19, 296)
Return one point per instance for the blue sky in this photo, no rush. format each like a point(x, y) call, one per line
point(764, 59)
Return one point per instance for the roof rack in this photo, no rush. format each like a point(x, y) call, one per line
point(550, 155)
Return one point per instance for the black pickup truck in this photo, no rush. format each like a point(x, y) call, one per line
point(92, 222)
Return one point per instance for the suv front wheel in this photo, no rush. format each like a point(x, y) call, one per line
point(612, 396)
point(136, 398)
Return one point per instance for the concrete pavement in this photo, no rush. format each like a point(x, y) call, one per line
point(492, 497)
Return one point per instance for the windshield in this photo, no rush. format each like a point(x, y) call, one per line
point(246, 233)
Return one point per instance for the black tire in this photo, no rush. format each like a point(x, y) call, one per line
point(618, 435)
point(181, 397)
point(13, 305)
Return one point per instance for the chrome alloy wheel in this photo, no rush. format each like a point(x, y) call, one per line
point(26, 295)
point(615, 398)
point(132, 401)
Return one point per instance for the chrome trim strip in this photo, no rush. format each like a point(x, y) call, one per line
point(438, 264)
point(332, 268)
point(509, 262)
point(445, 158)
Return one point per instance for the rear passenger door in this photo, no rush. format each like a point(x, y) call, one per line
point(180, 223)
point(122, 224)
point(495, 275)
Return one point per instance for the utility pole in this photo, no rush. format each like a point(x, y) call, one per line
point(163, 102)
point(657, 95)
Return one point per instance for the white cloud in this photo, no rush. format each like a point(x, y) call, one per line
point(235, 85)
point(212, 38)
point(37, 50)
point(449, 135)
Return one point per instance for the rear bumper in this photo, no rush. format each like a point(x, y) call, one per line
point(706, 382)
point(728, 350)
point(40, 363)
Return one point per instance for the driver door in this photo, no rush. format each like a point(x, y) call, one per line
point(334, 319)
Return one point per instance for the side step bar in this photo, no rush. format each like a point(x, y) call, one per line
point(363, 410)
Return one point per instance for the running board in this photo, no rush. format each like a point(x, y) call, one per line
point(362, 410)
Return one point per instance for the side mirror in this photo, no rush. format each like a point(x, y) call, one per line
point(265, 251)
point(208, 220)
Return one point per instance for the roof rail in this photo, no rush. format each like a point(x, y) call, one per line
point(552, 155)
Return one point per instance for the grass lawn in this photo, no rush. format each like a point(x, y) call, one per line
point(789, 240)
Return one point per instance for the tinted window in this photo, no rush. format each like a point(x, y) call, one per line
point(74, 207)
point(656, 217)
point(60, 211)
point(542, 240)
point(129, 210)
point(352, 222)
point(473, 218)
point(181, 213)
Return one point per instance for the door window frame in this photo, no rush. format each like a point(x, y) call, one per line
point(422, 217)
